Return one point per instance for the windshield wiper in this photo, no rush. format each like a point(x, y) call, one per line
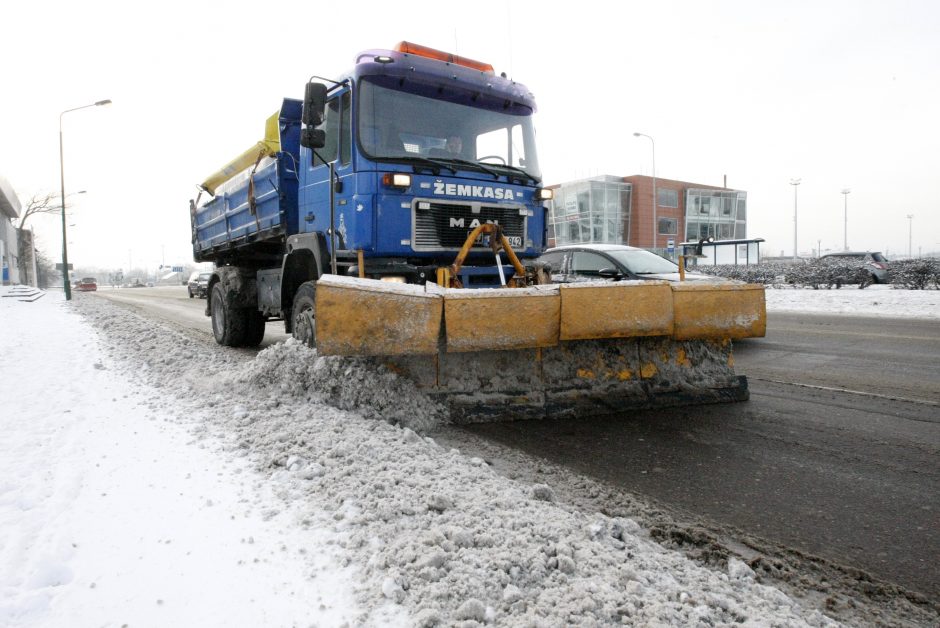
point(519, 170)
point(475, 165)
point(434, 165)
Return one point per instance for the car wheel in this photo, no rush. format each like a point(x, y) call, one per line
point(303, 314)
point(190, 294)
point(229, 324)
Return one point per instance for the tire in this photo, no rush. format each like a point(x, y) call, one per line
point(303, 314)
point(254, 332)
point(190, 294)
point(229, 325)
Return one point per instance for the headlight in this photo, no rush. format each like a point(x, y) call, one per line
point(396, 180)
point(544, 194)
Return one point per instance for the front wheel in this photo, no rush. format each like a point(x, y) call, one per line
point(228, 323)
point(303, 314)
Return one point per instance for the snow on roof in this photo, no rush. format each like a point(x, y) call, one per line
point(9, 203)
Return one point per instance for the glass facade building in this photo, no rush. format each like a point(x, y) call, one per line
point(619, 210)
point(721, 214)
point(593, 210)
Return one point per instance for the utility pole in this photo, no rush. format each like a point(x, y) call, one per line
point(795, 183)
point(910, 231)
point(845, 232)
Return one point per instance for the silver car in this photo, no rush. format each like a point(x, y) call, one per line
point(874, 261)
point(579, 262)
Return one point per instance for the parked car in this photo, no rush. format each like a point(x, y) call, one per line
point(87, 284)
point(199, 287)
point(874, 262)
point(580, 262)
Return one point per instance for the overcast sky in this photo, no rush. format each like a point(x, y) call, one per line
point(842, 94)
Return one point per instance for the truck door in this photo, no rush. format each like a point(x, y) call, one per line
point(315, 193)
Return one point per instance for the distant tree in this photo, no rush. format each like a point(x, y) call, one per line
point(45, 270)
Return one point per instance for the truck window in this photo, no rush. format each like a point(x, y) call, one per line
point(503, 146)
point(337, 127)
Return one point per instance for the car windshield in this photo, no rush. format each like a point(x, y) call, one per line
point(205, 276)
point(642, 262)
point(465, 129)
point(88, 280)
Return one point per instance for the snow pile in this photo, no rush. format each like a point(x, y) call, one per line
point(293, 373)
point(429, 529)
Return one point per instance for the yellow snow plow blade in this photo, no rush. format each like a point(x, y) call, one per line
point(496, 318)
point(616, 310)
point(545, 351)
point(368, 317)
point(719, 311)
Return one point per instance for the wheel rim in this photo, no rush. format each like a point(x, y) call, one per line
point(218, 318)
point(304, 326)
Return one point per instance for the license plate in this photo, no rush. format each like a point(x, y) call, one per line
point(483, 239)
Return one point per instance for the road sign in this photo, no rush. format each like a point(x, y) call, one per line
point(177, 269)
point(59, 266)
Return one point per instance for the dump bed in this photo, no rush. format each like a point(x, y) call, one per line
point(255, 195)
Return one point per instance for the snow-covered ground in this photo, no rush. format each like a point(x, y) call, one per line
point(148, 478)
point(877, 300)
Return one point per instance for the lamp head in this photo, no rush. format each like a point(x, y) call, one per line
point(103, 102)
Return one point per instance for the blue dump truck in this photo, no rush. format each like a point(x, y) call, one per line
point(396, 213)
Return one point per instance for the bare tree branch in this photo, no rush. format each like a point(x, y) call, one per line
point(47, 203)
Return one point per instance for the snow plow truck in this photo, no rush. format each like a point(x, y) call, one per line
point(396, 214)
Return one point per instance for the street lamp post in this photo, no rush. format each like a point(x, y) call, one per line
point(65, 246)
point(655, 199)
point(845, 232)
point(910, 231)
point(795, 183)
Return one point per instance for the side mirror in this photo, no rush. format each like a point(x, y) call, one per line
point(610, 273)
point(313, 138)
point(314, 104)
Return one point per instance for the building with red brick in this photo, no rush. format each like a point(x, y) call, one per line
point(619, 210)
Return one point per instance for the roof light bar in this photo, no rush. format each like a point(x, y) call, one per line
point(431, 53)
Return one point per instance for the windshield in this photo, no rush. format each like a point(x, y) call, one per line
point(643, 262)
point(451, 126)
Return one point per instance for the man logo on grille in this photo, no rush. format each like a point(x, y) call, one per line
point(461, 223)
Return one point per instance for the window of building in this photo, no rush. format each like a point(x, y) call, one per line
point(667, 197)
point(726, 206)
point(668, 226)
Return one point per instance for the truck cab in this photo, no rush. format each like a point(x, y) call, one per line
point(421, 147)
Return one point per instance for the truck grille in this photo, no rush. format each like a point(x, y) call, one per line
point(441, 225)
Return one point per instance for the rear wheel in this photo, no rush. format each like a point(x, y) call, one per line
point(303, 314)
point(229, 325)
point(254, 332)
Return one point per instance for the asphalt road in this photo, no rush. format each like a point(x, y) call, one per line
point(172, 304)
point(837, 454)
